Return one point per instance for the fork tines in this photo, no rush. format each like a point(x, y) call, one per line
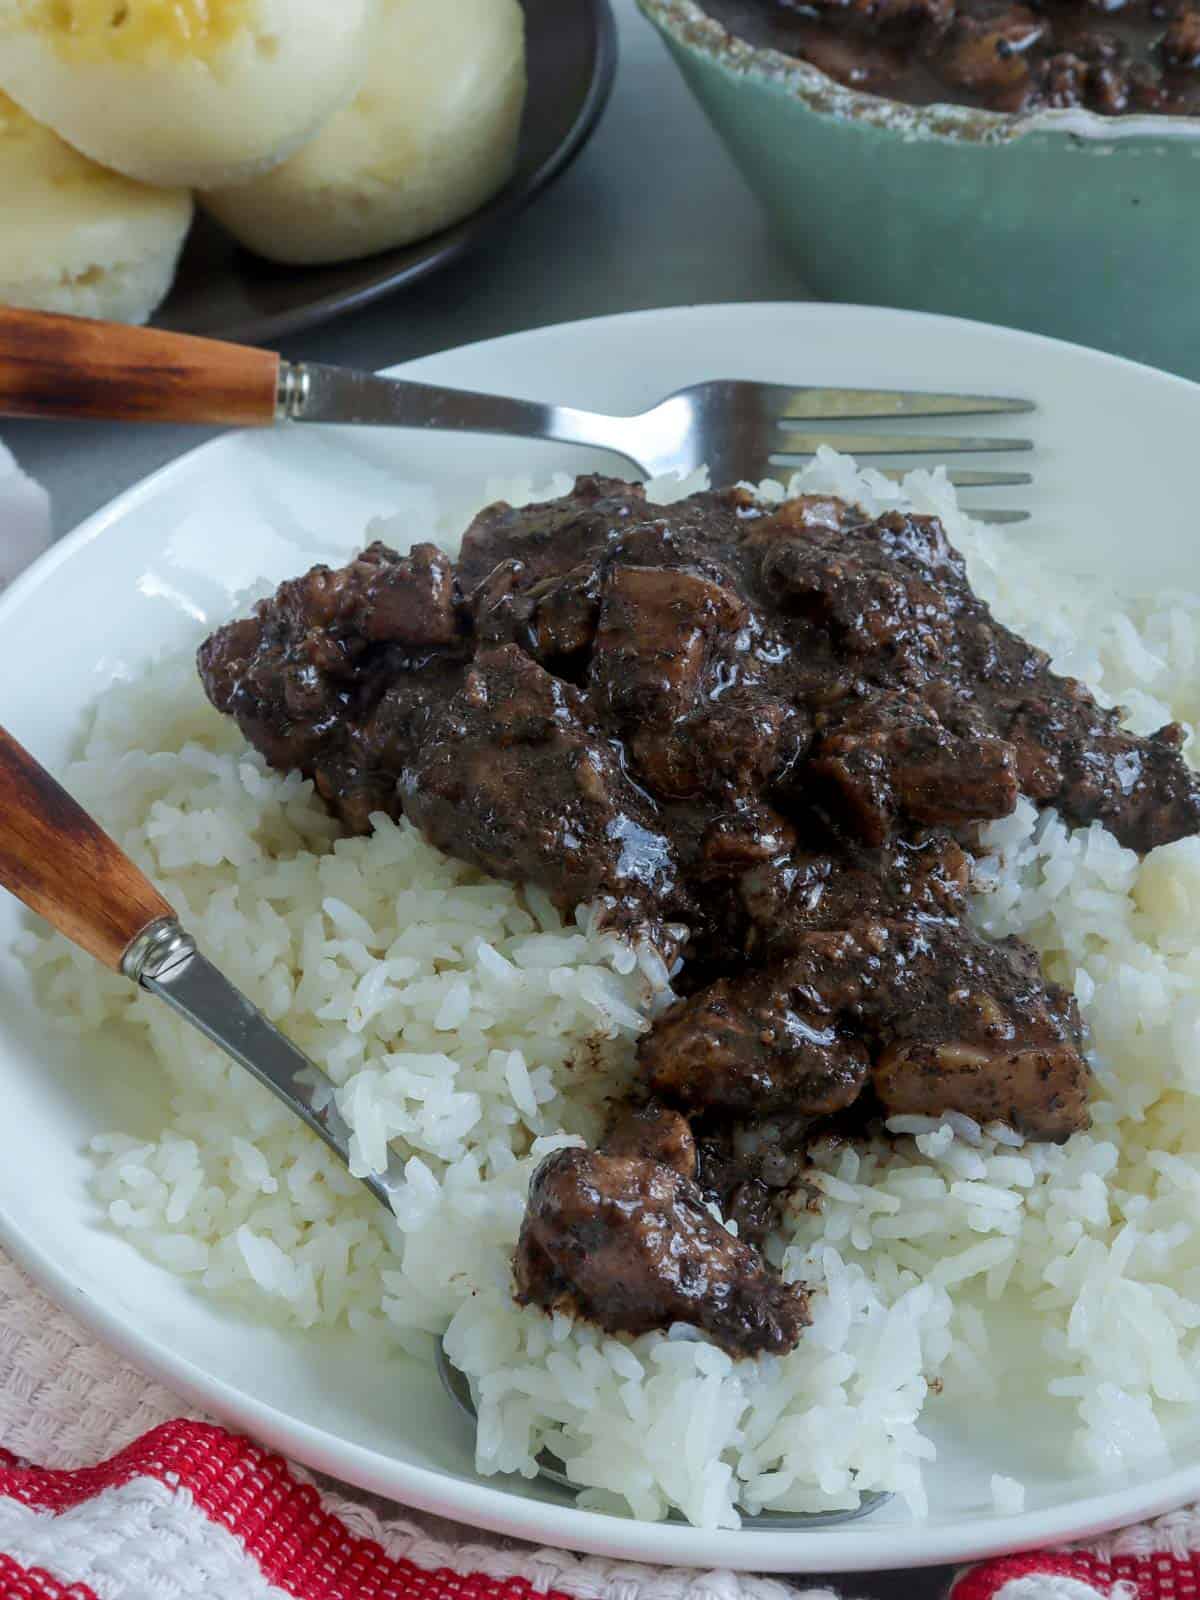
point(895, 444)
point(807, 405)
point(833, 405)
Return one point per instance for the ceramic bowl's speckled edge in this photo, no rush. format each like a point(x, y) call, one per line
point(689, 24)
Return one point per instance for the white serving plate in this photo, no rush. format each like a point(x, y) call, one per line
point(1115, 493)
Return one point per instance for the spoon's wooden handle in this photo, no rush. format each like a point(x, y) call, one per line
point(64, 866)
point(52, 366)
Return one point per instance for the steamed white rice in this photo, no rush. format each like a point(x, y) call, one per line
point(464, 1021)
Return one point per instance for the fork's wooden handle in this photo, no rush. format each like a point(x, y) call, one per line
point(62, 864)
point(52, 366)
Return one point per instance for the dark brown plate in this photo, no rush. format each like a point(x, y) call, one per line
point(225, 292)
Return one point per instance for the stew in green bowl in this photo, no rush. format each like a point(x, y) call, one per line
point(1063, 221)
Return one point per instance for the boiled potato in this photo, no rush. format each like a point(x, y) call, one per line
point(76, 237)
point(198, 93)
point(431, 135)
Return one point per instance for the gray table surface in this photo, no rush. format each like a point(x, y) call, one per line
point(653, 214)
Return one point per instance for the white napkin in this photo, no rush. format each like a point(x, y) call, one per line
point(24, 518)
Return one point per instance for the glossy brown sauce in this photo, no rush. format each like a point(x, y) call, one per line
point(1139, 56)
point(767, 736)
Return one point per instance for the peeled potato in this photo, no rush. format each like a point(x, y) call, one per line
point(193, 93)
point(429, 137)
point(77, 238)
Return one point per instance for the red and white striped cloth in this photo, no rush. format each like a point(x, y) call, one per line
point(109, 1491)
point(190, 1509)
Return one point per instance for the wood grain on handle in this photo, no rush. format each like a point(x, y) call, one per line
point(52, 366)
point(62, 864)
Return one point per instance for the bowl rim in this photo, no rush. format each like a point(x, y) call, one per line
point(690, 26)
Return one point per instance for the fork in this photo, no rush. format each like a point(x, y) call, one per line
point(69, 367)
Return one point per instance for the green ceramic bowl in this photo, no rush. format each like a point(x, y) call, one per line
point(1062, 222)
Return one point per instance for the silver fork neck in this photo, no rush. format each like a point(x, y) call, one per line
point(314, 393)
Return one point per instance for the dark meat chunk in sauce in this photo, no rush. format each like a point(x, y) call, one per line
point(924, 877)
point(885, 12)
point(738, 745)
point(890, 755)
point(1114, 58)
point(630, 1243)
point(991, 56)
point(766, 735)
point(304, 675)
point(853, 588)
point(652, 643)
point(653, 1132)
point(937, 1017)
point(749, 1045)
point(1004, 1045)
point(550, 539)
point(1181, 42)
point(561, 615)
point(752, 1170)
point(516, 778)
point(1072, 755)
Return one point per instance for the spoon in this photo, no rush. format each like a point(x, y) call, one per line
point(59, 862)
